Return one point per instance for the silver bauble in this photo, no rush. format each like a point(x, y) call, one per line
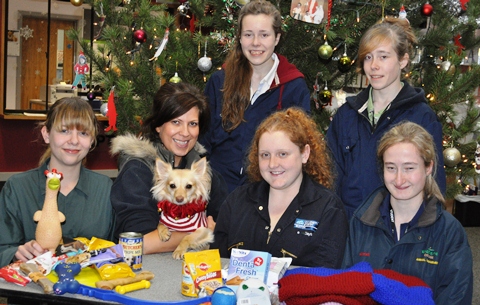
point(451, 157)
point(204, 64)
point(104, 109)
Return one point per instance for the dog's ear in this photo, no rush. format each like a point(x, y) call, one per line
point(162, 168)
point(200, 166)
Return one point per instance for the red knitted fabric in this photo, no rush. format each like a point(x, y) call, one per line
point(182, 211)
point(342, 299)
point(349, 288)
point(408, 280)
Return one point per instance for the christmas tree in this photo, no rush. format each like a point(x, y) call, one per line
point(138, 44)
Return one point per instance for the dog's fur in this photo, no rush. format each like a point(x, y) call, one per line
point(182, 186)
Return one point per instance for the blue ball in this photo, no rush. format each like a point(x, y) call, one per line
point(224, 296)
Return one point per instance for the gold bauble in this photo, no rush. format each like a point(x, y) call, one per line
point(325, 96)
point(242, 2)
point(451, 157)
point(344, 63)
point(76, 2)
point(325, 51)
point(448, 67)
point(175, 79)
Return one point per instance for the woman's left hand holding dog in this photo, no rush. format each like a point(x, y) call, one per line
point(211, 223)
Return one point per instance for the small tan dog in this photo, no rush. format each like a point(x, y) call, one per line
point(182, 196)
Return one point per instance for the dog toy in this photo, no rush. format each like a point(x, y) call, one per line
point(66, 281)
point(122, 289)
point(253, 291)
point(49, 231)
point(32, 271)
point(111, 295)
point(111, 284)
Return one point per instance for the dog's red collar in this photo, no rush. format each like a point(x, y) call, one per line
point(182, 211)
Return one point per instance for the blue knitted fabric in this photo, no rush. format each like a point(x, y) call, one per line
point(398, 289)
point(391, 287)
point(321, 271)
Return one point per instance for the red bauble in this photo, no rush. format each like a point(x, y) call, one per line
point(182, 1)
point(426, 10)
point(140, 36)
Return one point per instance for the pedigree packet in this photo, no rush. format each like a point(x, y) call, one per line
point(201, 269)
point(248, 264)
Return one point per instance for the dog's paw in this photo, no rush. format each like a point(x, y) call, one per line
point(179, 252)
point(163, 232)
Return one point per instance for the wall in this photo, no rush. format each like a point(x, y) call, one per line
point(21, 148)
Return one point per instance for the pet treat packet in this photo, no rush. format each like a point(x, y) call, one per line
point(201, 271)
point(248, 264)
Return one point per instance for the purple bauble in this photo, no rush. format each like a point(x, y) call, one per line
point(90, 96)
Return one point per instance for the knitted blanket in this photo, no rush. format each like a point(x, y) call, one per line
point(358, 285)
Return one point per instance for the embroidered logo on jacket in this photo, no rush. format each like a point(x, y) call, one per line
point(429, 256)
point(303, 224)
point(307, 226)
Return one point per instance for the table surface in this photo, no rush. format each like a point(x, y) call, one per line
point(165, 287)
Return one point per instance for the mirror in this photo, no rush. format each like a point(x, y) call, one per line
point(40, 59)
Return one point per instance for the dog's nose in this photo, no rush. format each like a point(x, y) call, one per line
point(179, 199)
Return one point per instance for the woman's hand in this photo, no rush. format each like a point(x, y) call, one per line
point(211, 223)
point(29, 250)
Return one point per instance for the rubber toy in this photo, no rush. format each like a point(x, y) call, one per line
point(66, 278)
point(224, 296)
point(49, 231)
point(253, 291)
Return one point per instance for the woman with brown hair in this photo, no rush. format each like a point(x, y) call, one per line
point(253, 83)
point(180, 114)
point(288, 210)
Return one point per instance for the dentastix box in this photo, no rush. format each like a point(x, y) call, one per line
point(247, 264)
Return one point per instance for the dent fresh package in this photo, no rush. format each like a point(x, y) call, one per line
point(248, 264)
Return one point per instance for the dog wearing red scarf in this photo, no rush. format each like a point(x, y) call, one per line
point(182, 196)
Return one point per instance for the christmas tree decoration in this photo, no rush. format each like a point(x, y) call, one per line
point(111, 113)
point(451, 156)
point(426, 10)
point(104, 109)
point(175, 78)
point(204, 63)
point(140, 36)
point(477, 159)
point(242, 2)
point(162, 45)
point(76, 2)
point(91, 96)
point(448, 67)
point(344, 63)
point(325, 51)
point(325, 96)
point(183, 9)
point(402, 14)
point(101, 20)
